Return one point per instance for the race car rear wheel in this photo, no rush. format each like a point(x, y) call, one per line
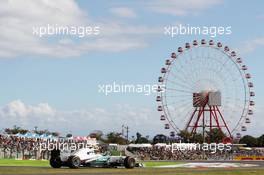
point(74, 162)
point(129, 162)
point(55, 162)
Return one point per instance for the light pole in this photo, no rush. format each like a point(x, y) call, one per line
point(125, 129)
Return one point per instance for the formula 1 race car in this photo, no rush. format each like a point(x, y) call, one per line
point(86, 157)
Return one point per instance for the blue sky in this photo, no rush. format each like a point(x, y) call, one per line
point(42, 71)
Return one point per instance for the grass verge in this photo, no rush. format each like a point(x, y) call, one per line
point(34, 163)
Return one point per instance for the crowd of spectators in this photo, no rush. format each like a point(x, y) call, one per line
point(165, 153)
point(11, 146)
point(30, 148)
point(249, 152)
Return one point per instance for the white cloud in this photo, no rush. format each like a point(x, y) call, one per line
point(114, 29)
point(16, 36)
point(252, 45)
point(16, 112)
point(123, 12)
point(80, 121)
point(113, 44)
point(17, 39)
point(41, 12)
point(83, 121)
point(180, 7)
point(260, 16)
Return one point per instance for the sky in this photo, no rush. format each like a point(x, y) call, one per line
point(52, 81)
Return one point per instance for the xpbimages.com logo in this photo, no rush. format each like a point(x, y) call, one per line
point(79, 31)
point(145, 89)
point(211, 147)
point(211, 31)
point(62, 146)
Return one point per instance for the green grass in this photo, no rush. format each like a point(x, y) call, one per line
point(116, 153)
point(45, 163)
point(154, 164)
point(13, 162)
point(43, 168)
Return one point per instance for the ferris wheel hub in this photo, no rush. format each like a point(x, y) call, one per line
point(206, 97)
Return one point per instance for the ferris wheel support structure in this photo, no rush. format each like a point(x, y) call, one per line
point(206, 86)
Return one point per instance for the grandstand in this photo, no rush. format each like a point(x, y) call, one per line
point(30, 146)
point(34, 146)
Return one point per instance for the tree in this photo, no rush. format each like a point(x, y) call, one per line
point(40, 132)
point(55, 134)
point(138, 135)
point(141, 139)
point(215, 135)
point(197, 138)
point(185, 136)
point(260, 141)
point(69, 135)
point(249, 141)
point(160, 138)
point(15, 130)
point(114, 137)
point(98, 135)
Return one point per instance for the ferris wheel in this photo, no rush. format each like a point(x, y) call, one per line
point(204, 86)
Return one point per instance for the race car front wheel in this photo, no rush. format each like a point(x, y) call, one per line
point(74, 162)
point(129, 162)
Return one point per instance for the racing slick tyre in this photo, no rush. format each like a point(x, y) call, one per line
point(129, 162)
point(74, 162)
point(55, 162)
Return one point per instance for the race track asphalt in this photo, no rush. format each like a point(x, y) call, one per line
point(258, 168)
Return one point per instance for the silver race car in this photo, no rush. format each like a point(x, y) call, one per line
point(86, 157)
